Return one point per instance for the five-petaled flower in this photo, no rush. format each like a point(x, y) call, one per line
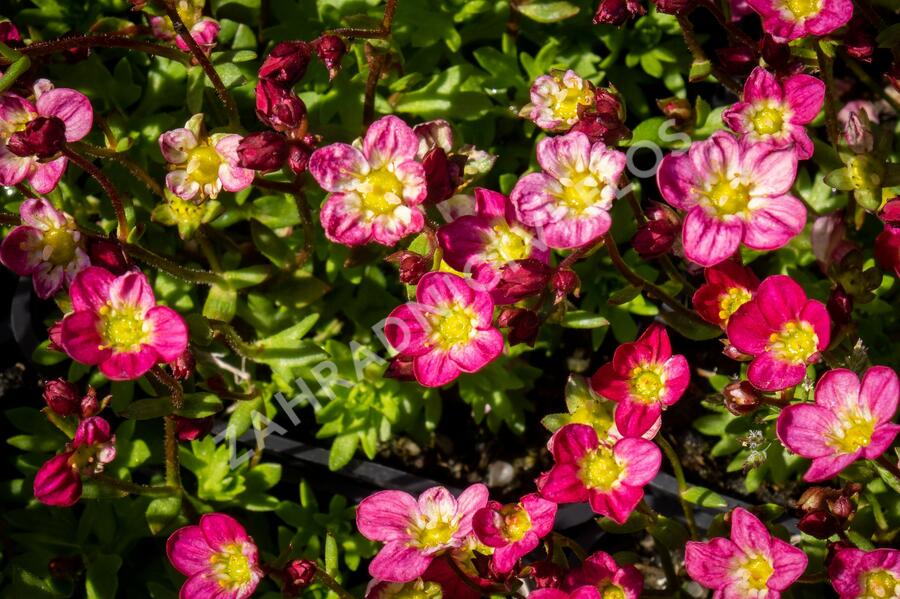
point(116, 324)
point(858, 574)
point(612, 581)
point(611, 476)
point(643, 378)
point(783, 330)
point(219, 558)
point(733, 192)
point(777, 112)
point(31, 134)
point(850, 419)
point(787, 20)
point(569, 201)
point(751, 565)
point(201, 165)
point(514, 529)
point(46, 246)
point(556, 100)
point(415, 531)
point(729, 285)
point(446, 331)
point(376, 186)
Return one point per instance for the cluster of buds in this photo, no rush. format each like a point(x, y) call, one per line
point(617, 12)
point(826, 511)
point(64, 399)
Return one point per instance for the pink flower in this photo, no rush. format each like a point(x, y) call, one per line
point(556, 100)
point(200, 165)
point(787, 20)
point(585, 592)
point(203, 29)
point(219, 558)
point(751, 564)
point(116, 324)
point(848, 421)
point(419, 589)
point(777, 112)
point(570, 201)
point(47, 246)
point(416, 531)
point(515, 529)
point(783, 330)
point(643, 378)
point(857, 574)
point(375, 191)
point(66, 107)
point(448, 330)
point(600, 571)
point(729, 285)
point(58, 482)
point(487, 241)
point(733, 192)
point(609, 476)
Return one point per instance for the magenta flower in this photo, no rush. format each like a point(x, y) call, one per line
point(116, 324)
point(787, 20)
point(777, 112)
point(733, 192)
point(201, 165)
point(600, 571)
point(609, 476)
point(375, 191)
point(416, 531)
point(729, 285)
point(857, 574)
point(46, 246)
point(515, 529)
point(556, 99)
point(58, 482)
point(782, 330)
point(484, 243)
point(569, 201)
point(751, 564)
point(848, 421)
point(32, 134)
point(203, 29)
point(446, 331)
point(219, 558)
point(643, 379)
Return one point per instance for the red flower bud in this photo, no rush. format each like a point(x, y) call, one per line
point(278, 107)
point(523, 325)
point(9, 34)
point(840, 306)
point(738, 60)
point(674, 7)
point(657, 236)
point(108, 254)
point(521, 279)
point(183, 366)
point(563, 282)
point(62, 397)
point(400, 368)
point(820, 524)
point(442, 176)
point(602, 121)
point(90, 406)
point(679, 109)
point(841, 508)
point(286, 63)
point(191, 429)
point(741, 397)
point(890, 214)
point(616, 12)
point(777, 55)
point(412, 266)
point(43, 137)
point(330, 49)
point(859, 39)
point(546, 574)
point(298, 575)
point(264, 151)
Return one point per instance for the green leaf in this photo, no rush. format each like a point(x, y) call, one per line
point(200, 405)
point(624, 295)
point(690, 328)
point(547, 12)
point(161, 512)
point(220, 304)
point(704, 497)
point(669, 532)
point(887, 476)
point(581, 319)
point(700, 70)
point(342, 450)
point(146, 409)
point(636, 521)
point(101, 580)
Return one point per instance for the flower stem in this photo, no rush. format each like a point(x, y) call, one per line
point(686, 507)
point(334, 586)
point(102, 40)
point(376, 63)
point(173, 472)
point(192, 275)
point(232, 339)
point(234, 119)
point(134, 488)
point(91, 169)
point(133, 167)
point(826, 67)
point(8, 219)
point(175, 391)
point(361, 33)
point(888, 465)
point(665, 559)
point(19, 64)
point(687, 31)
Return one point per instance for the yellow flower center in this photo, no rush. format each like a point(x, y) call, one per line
point(855, 433)
point(568, 99)
point(598, 469)
point(598, 414)
point(803, 9)
point(233, 569)
point(432, 533)
point(795, 343)
point(203, 165)
point(62, 245)
point(879, 584)
point(516, 522)
point(731, 300)
point(580, 192)
point(647, 382)
point(728, 197)
point(507, 244)
point(123, 330)
point(767, 121)
point(415, 590)
point(452, 325)
point(612, 591)
point(757, 570)
point(382, 192)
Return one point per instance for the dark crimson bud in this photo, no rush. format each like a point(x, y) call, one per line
point(62, 397)
point(65, 567)
point(741, 398)
point(191, 429)
point(738, 60)
point(546, 574)
point(603, 120)
point(107, 254)
point(616, 12)
point(840, 306)
point(523, 325)
point(859, 39)
point(400, 368)
point(89, 405)
point(298, 155)
point(777, 55)
point(841, 508)
point(815, 498)
point(441, 175)
point(264, 151)
point(674, 7)
point(521, 279)
point(331, 49)
point(277, 107)
point(9, 34)
point(412, 266)
point(183, 366)
point(656, 237)
point(42, 137)
point(563, 282)
point(298, 575)
point(820, 524)
point(286, 63)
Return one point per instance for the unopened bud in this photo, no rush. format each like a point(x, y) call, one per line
point(521, 279)
point(441, 175)
point(278, 107)
point(298, 575)
point(616, 12)
point(741, 398)
point(264, 151)
point(656, 237)
point(738, 60)
point(563, 282)
point(90, 405)
point(523, 325)
point(191, 429)
point(183, 366)
point(43, 137)
point(679, 109)
point(412, 266)
point(330, 49)
point(400, 368)
point(108, 254)
point(286, 63)
point(62, 397)
point(840, 306)
point(299, 151)
point(819, 524)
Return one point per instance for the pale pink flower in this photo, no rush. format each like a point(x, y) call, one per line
point(203, 29)
point(556, 99)
point(858, 574)
point(787, 20)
